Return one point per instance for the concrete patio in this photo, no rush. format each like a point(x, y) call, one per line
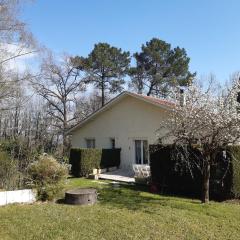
point(118, 175)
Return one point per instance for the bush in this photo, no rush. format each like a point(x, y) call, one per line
point(170, 172)
point(225, 174)
point(48, 176)
point(234, 152)
point(83, 161)
point(172, 175)
point(10, 177)
point(20, 151)
point(110, 158)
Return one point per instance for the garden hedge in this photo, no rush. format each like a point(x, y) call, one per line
point(234, 152)
point(83, 160)
point(172, 175)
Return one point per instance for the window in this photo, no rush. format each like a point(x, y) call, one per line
point(112, 140)
point(90, 142)
point(141, 151)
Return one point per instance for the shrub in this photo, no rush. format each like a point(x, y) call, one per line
point(172, 175)
point(234, 152)
point(48, 176)
point(83, 161)
point(170, 172)
point(20, 151)
point(110, 158)
point(225, 174)
point(10, 177)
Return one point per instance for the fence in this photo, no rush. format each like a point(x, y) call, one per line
point(18, 196)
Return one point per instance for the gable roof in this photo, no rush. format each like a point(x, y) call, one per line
point(152, 100)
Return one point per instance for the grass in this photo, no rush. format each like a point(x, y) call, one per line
point(128, 212)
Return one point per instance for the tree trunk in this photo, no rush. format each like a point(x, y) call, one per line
point(103, 94)
point(150, 90)
point(65, 125)
point(206, 178)
point(65, 143)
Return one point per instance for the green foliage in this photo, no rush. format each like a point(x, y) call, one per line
point(172, 173)
point(235, 156)
point(110, 158)
point(110, 62)
point(10, 177)
point(106, 66)
point(175, 175)
point(21, 152)
point(48, 176)
point(83, 161)
point(159, 67)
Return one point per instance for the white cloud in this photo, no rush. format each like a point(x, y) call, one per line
point(22, 58)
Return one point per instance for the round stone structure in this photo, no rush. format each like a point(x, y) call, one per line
point(81, 196)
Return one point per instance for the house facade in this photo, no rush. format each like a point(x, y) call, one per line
point(130, 122)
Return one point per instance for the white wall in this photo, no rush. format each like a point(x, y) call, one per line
point(126, 121)
point(18, 196)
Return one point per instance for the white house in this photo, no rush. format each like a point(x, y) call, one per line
point(129, 121)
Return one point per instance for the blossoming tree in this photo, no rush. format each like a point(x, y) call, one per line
point(209, 118)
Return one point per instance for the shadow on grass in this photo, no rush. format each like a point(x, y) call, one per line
point(138, 198)
point(60, 201)
point(134, 197)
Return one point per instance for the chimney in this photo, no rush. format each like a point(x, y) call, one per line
point(182, 98)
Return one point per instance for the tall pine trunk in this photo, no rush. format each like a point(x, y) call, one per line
point(150, 90)
point(102, 89)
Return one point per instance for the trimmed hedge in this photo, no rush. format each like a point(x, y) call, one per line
point(234, 152)
point(84, 160)
point(110, 158)
point(225, 174)
point(172, 175)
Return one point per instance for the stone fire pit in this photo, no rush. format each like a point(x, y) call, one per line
point(81, 196)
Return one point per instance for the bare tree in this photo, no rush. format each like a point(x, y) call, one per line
point(89, 104)
point(15, 42)
point(60, 85)
point(209, 119)
point(15, 39)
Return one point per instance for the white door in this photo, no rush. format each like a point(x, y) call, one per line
point(141, 151)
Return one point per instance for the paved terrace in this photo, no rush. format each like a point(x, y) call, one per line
point(118, 175)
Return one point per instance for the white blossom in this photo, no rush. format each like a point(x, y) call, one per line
point(207, 118)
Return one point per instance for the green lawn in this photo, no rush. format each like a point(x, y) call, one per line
point(121, 213)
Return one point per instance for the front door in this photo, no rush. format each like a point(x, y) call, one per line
point(141, 151)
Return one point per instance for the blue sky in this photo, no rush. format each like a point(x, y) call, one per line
point(207, 29)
